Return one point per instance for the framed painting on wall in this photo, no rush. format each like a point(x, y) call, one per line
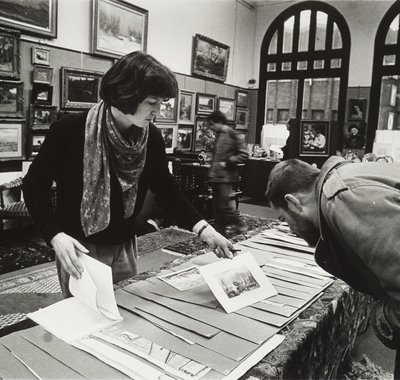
point(11, 98)
point(168, 111)
point(204, 136)
point(186, 107)
point(168, 132)
point(210, 58)
point(42, 74)
point(314, 138)
point(205, 104)
point(40, 56)
point(79, 88)
point(242, 99)
point(42, 94)
point(357, 109)
point(37, 17)
point(42, 117)
point(242, 117)
point(118, 28)
point(228, 108)
point(185, 137)
point(11, 138)
point(36, 142)
point(10, 62)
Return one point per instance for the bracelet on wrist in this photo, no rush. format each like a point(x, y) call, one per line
point(202, 229)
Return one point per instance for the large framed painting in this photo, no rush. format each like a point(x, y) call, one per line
point(11, 98)
point(119, 27)
point(80, 89)
point(185, 137)
point(37, 17)
point(228, 108)
point(169, 134)
point(205, 104)
point(42, 117)
point(10, 62)
point(186, 107)
point(168, 111)
point(11, 138)
point(314, 138)
point(210, 58)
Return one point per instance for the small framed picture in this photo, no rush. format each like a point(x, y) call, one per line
point(168, 111)
point(10, 62)
point(205, 104)
point(42, 74)
point(242, 99)
point(393, 95)
point(42, 117)
point(357, 109)
point(11, 98)
point(185, 137)
point(40, 56)
point(314, 138)
point(204, 136)
point(80, 89)
point(242, 117)
point(355, 135)
point(11, 138)
point(42, 94)
point(168, 132)
point(228, 108)
point(36, 143)
point(186, 107)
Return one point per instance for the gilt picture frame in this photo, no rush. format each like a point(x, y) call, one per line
point(11, 99)
point(10, 63)
point(118, 28)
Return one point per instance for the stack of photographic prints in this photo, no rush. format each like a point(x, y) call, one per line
point(208, 318)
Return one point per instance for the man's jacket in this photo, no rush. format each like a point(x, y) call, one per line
point(359, 211)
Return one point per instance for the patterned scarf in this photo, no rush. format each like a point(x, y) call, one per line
point(105, 147)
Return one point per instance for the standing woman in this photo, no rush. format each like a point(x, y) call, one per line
point(103, 161)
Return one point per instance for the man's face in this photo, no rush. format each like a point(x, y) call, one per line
point(300, 224)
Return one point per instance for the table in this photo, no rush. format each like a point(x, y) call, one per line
point(317, 342)
point(255, 177)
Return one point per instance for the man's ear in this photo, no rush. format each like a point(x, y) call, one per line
point(293, 203)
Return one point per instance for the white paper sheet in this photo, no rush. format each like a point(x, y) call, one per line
point(238, 282)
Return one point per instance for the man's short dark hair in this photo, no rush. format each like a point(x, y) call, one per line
point(289, 177)
point(217, 117)
point(133, 78)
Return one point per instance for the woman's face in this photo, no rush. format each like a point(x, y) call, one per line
point(146, 111)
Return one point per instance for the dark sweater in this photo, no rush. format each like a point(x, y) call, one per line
point(60, 159)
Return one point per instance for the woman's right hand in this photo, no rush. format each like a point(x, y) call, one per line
point(68, 250)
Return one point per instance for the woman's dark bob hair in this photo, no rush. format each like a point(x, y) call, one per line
point(133, 78)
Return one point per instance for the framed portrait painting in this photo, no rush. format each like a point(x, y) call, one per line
point(119, 27)
point(80, 89)
point(11, 138)
point(314, 138)
point(210, 58)
point(186, 107)
point(10, 62)
point(242, 99)
point(168, 111)
point(205, 104)
point(168, 132)
point(185, 137)
point(11, 98)
point(228, 108)
point(37, 17)
point(357, 109)
point(42, 94)
point(41, 117)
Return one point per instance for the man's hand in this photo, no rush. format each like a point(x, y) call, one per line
point(217, 242)
point(67, 250)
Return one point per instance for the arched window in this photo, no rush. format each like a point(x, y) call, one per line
point(384, 126)
point(304, 69)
